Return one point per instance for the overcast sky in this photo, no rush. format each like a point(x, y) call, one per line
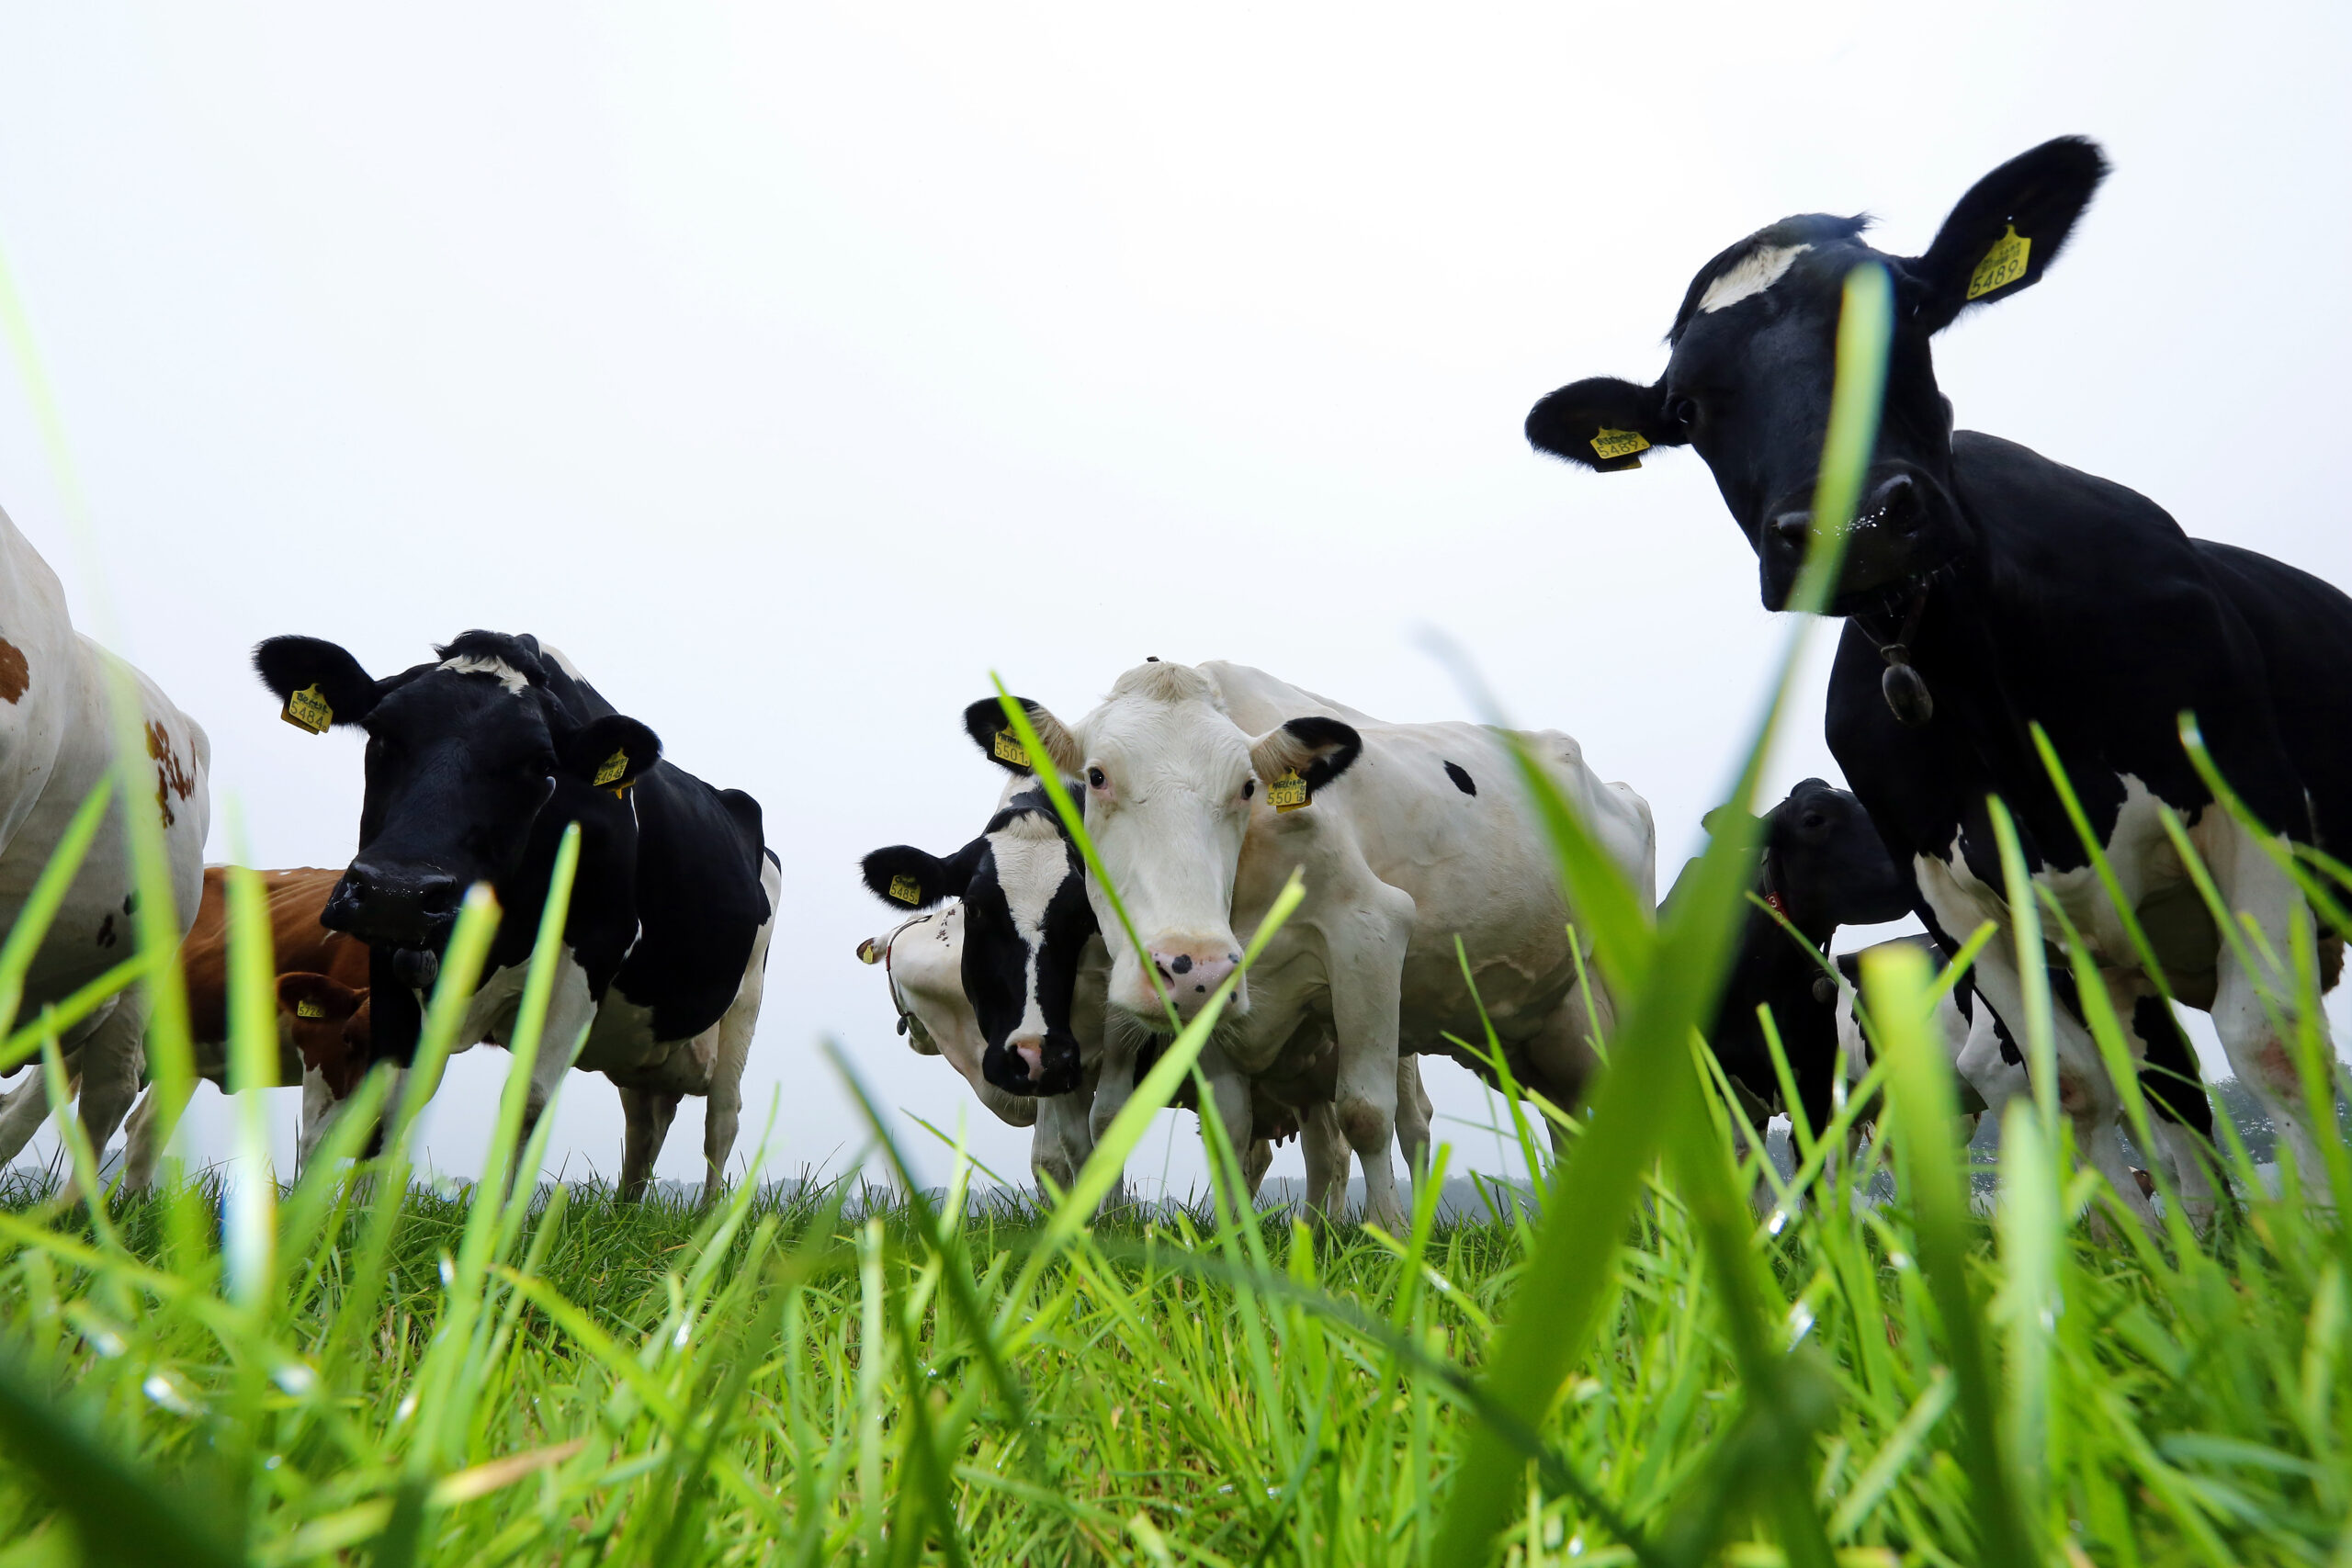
point(792, 368)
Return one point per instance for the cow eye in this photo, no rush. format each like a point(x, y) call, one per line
point(1095, 777)
point(1682, 410)
point(1248, 788)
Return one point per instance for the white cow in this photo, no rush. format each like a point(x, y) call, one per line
point(56, 746)
point(1206, 787)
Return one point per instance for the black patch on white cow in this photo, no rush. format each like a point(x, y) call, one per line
point(1461, 778)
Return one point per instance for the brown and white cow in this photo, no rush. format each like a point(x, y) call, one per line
point(57, 744)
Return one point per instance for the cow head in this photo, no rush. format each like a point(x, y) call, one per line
point(1823, 857)
point(1169, 784)
point(1754, 356)
point(463, 756)
point(1026, 921)
point(328, 1024)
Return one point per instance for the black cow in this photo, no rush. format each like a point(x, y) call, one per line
point(1985, 587)
point(1823, 866)
point(476, 763)
point(1027, 922)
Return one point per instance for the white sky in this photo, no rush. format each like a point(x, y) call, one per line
point(794, 367)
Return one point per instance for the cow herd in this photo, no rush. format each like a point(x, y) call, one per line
point(2036, 664)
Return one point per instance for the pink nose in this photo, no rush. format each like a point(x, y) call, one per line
point(1031, 1049)
point(1191, 976)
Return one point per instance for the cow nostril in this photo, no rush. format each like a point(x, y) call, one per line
point(439, 895)
point(1792, 528)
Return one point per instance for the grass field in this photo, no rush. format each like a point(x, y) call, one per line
point(1646, 1369)
point(793, 1382)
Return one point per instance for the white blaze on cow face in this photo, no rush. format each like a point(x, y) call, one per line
point(505, 674)
point(1032, 863)
point(1752, 274)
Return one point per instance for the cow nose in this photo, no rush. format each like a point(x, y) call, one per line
point(1894, 503)
point(1031, 1049)
point(1791, 530)
point(1191, 976)
point(393, 903)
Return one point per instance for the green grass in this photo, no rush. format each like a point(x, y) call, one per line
point(779, 1381)
point(1643, 1370)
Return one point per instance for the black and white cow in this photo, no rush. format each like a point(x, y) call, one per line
point(1206, 787)
point(1005, 973)
point(476, 763)
point(1984, 588)
point(990, 971)
point(1822, 867)
point(57, 744)
point(1026, 929)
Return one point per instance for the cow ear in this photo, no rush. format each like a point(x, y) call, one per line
point(985, 722)
point(1603, 424)
point(1317, 749)
point(315, 666)
point(911, 879)
point(610, 752)
point(2005, 231)
point(306, 995)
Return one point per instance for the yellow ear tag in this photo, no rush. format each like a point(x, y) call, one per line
point(615, 766)
point(1288, 792)
point(307, 1009)
point(308, 710)
point(906, 890)
point(1009, 750)
point(2002, 266)
point(1611, 444)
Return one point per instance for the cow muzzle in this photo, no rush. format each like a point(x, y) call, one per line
point(1033, 1064)
point(393, 907)
point(1891, 536)
point(1191, 971)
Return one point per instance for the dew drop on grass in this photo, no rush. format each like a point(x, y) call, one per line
point(161, 1389)
point(406, 1408)
point(1800, 1323)
point(1779, 1222)
point(105, 1341)
point(295, 1378)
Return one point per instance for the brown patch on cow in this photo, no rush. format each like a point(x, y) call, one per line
point(170, 777)
point(2277, 1067)
point(15, 675)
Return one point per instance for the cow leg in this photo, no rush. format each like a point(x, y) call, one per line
point(1366, 964)
point(2086, 1095)
point(723, 1110)
point(141, 1152)
point(1231, 1092)
point(1256, 1160)
point(648, 1114)
point(2252, 886)
point(22, 1111)
point(1324, 1142)
point(570, 1011)
point(1414, 1114)
point(114, 1060)
point(1061, 1145)
point(319, 1107)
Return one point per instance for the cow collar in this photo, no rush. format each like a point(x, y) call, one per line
point(1906, 691)
point(908, 1023)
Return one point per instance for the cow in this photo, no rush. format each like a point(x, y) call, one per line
point(476, 762)
point(1206, 787)
point(1986, 587)
point(1823, 866)
point(1011, 975)
point(300, 944)
point(57, 744)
